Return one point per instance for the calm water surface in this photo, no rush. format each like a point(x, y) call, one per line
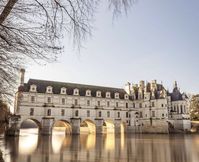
point(30, 147)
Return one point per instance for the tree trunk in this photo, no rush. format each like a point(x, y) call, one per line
point(7, 9)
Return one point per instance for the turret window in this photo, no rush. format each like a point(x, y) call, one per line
point(76, 91)
point(116, 95)
point(88, 93)
point(49, 89)
point(108, 94)
point(63, 90)
point(98, 93)
point(126, 96)
point(33, 88)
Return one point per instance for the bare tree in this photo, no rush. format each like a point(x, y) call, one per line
point(33, 30)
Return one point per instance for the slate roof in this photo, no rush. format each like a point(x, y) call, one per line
point(43, 84)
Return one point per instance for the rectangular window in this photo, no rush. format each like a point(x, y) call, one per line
point(153, 104)
point(88, 102)
point(62, 112)
point(133, 105)
point(108, 103)
point(98, 103)
point(108, 114)
point(31, 111)
point(76, 102)
point(141, 116)
point(32, 99)
point(118, 114)
point(153, 113)
point(88, 113)
point(127, 114)
point(127, 105)
point(49, 99)
point(100, 114)
point(76, 113)
point(63, 101)
point(49, 112)
point(116, 104)
point(140, 105)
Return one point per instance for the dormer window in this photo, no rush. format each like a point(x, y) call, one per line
point(98, 94)
point(49, 89)
point(63, 90)
point(76, 91)
point(88, 92)
point(33, 88)
point(108, 94)
point(126, 96)
point(117, 96)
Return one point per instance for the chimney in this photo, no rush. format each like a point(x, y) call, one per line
point(22, 73)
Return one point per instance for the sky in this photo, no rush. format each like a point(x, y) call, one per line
point(157, 39)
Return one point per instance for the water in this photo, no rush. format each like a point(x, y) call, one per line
point(30, 147)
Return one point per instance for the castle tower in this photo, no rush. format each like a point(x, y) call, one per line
point(22, 74)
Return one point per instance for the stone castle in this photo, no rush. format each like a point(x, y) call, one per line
point(138, 108)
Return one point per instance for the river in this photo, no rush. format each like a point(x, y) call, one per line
point(30, 147)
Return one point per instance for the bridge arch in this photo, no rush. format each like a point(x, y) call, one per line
point(61, 126)
point(87, 126)
point(30, 123)
point(108, 126)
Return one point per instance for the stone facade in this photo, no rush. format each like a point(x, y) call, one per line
point(143, 108)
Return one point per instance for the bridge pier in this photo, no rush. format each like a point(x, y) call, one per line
point(75, 123)
point(99, 125)
point(14, 126)
point(47, 125)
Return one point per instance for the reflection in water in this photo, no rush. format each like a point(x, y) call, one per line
point(28, 141)
point(88, 141)
point(110, 141)
point(101, 148)
point(57, 141)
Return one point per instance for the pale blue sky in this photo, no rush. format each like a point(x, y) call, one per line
point(158, 39)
